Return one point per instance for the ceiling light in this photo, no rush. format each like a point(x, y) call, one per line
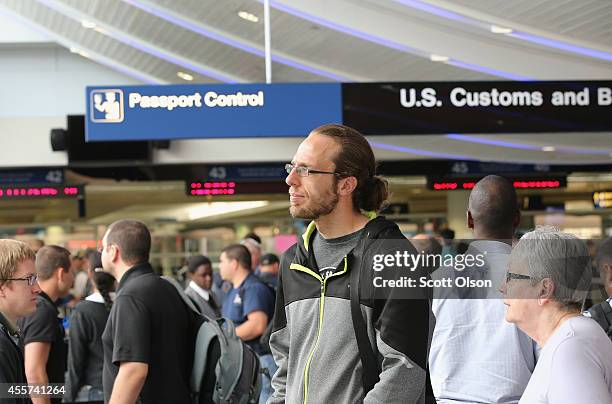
point(245, 15)
point(100, 30)
point(500, 30)
point(74, 50)
point(549, 148)
point(219, 208)
point(185, 76)
point(88, 24)
point(439, 58)
point(84, 54)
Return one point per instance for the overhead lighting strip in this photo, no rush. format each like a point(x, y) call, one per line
point(537, 39)
point(524, 146)
point(139, 44)
point(96, 57)
point(388, 43)
point(216, 36)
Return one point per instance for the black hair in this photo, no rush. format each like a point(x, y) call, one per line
point(239, 253)
point(105, 283)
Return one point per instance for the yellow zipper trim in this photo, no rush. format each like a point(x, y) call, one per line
point(309, 271)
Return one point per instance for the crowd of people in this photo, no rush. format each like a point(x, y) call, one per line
point(322, 332)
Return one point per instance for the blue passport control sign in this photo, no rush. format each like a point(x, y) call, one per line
point(203, 111)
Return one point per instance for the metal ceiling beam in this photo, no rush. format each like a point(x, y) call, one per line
point(149, 47)
point(184, 21)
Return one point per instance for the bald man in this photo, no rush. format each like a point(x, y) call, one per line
point(475, 355)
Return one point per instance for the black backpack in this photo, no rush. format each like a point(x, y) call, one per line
point(602, 313)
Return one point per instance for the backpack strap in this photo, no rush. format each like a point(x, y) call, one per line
point(369, 360)
point(181, 293)
point(602, 313)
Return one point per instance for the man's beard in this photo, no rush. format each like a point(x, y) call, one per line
point(314, 210)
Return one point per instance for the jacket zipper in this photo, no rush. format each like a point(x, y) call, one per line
point(321, 312)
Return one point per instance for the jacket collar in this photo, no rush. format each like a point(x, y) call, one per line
point(310, 230)
point(134, 272)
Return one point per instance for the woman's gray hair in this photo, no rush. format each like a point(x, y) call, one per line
point(547, 252)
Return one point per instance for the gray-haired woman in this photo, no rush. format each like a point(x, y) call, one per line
point(547, 279)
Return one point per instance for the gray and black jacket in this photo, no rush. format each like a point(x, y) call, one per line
point(313, 339)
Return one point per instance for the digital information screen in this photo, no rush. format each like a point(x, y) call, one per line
point(457, 184)
point(42, 192)
point(221, 188)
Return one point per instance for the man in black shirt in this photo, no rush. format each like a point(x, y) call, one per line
point(45, 349)
point(18, 291)
point(148, 340)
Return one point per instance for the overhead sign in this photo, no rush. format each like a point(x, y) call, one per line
point(252, 172)
point(34, 176)
point(273, 110)
point(478, 107)
point(209, 111)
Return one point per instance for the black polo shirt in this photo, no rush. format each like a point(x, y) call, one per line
point(150, 323)
point(11, 361)
point(45, 326)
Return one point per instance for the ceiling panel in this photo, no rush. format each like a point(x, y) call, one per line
point(584, 20)
point(318, 44)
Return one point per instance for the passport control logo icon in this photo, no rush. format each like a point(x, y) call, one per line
point(107, 106)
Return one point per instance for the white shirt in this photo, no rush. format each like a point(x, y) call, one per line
point(202, 292)
point(575, 366)
point(97, 297)
point(476, 356)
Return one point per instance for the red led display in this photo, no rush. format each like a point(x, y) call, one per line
point(229, 188)
point(41, 191)
point(449, 185)
point(212, 188)
point(536, 184)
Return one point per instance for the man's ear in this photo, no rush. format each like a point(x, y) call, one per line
point(114, 256)
point(470, 220)
point(347, 185)
point(60, 273)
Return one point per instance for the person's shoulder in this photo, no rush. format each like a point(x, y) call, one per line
point(289, 254)
point(6, 345)
point(579, 336)
point(144, 285)
point(86, 306)
point(44, 311)
point(256, 285)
